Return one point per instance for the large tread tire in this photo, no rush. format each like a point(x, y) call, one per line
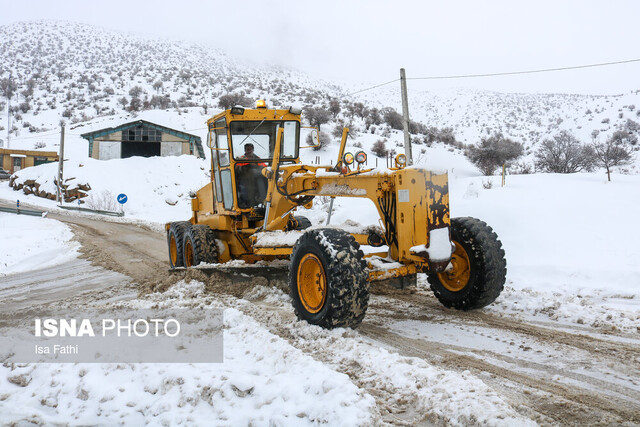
point(200, 246)
point(298, 222)
point(175, 239)
point(487, 266)
point(347, 290)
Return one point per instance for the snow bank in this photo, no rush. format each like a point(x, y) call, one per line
point(30, 243)
point(157, 188)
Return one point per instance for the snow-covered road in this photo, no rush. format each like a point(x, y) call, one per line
point(411, 362)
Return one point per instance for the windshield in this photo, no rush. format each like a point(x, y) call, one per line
point(257, 139)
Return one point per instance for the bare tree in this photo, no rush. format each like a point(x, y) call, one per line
point(610, 154)
point(392, 118)
point(379, 148)
point(564, 154)
point(135, 104)
point(624, 136)
point(157, 85)
point(493, 152)
point(317, 116)
point(7, 88)
point(136, 91)
point(232, 99)
point(334, 107)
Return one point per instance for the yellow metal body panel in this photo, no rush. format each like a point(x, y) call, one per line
point(405, 270)
point(410, 201)
point(278, 251)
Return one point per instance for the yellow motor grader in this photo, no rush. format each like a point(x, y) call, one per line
point(247, 212)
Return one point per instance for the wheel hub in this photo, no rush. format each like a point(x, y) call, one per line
point(188, 254)
point(457, 277)
point(173, 250)
point(312, 283)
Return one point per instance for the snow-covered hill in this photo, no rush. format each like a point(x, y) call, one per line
point(87, 75)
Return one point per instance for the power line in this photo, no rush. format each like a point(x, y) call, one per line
point(42, 135)
point(511, 73)
point(369, 88)
point(508, 73)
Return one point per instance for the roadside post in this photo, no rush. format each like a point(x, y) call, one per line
point(122, 199)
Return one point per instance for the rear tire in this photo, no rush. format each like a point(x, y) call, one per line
point(175, 238)
point(199, 246)
point(328, 279)
point(479, 267)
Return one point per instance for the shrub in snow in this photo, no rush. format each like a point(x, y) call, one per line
point(323, 138)
point(232, 99)
point(379, 148)
point(624, 136)
point(564, 154)
point(521, 168)
point(611, 153)
point(103, 201)
point(493, 152)
point(337, 130)
point(392, 118)
point(334, 107)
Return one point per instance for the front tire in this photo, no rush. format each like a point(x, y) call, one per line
point(478, 267)
point(328, 279)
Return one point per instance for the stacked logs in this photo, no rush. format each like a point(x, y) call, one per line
point(70, 191)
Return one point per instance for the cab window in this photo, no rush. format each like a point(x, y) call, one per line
point(262, 136)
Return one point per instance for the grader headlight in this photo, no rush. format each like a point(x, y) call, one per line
point(361, 157)
point(348, 158)
point(401, 161)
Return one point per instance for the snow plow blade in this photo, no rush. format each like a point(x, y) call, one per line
point(237, 275)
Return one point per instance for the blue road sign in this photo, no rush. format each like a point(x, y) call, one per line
point(122, 198)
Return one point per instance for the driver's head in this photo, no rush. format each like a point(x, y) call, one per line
point(248, 149)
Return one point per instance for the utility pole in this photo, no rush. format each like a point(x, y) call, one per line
point(60, 166)
point(405, 116)
point(8, 122)
point(9, 95)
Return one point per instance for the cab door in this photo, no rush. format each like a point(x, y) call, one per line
point(222, 165)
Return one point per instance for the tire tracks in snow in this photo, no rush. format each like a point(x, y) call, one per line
point(555, 390)
point(407, 391)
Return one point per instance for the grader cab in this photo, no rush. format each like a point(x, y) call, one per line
point(247, 212)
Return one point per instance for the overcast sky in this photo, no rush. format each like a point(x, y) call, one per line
point(369, 41)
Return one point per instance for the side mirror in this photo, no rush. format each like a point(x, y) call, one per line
point(315, 138)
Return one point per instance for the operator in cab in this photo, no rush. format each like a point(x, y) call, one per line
point(252, 186)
